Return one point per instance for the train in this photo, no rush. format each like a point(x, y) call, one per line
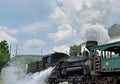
point(98, 64)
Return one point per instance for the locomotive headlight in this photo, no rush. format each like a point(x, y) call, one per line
point(107, 63)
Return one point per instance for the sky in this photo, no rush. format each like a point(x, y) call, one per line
point(46, 26)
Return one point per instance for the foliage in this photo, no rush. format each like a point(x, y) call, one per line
point(76, 48)
point(4, 53)
point(114, 30)
point(24, 59)
point(1, 79)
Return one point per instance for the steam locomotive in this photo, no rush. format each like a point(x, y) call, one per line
point(97, 65)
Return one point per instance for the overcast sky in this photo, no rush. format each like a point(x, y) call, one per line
point(52, 25)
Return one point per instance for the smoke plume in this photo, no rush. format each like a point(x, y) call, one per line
point(92, 20)
point(95, 32)
point(90, 16)
point(15, 75)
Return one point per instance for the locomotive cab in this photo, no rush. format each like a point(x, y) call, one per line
point(52, 59)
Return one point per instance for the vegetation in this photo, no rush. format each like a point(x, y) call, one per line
point(1, 79)
point(4, 54)
point(114, 30)
point(24, 59)
point(76, 49)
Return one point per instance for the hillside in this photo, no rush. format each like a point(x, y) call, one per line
point(114, 30)
point(26, 58)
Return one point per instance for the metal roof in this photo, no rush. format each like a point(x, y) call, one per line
point(55, 54)
point(105, 46)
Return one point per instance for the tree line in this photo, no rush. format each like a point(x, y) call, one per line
point(4, 54)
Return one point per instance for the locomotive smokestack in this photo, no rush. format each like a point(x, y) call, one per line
point(91, 44)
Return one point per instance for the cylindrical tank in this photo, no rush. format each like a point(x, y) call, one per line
point(74, 70)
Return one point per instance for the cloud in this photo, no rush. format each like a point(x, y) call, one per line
point(62, 48)
point(6, 34)
point(33, 45)
point(65, 11)
point(75, 5)
point(8, 30)
point(7, 37)
point(65, 31)
point(92, 12)
point(65, 14)
point(71, 9)
point(115, 13)
point(33, 28)
point(59, 16)
point(92, 19)
point(85, 12)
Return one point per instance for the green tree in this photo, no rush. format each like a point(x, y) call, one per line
point(75, 48)
point(114, 30)
point(4, 53)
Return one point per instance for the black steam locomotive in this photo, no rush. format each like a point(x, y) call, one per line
point(75, 69)
point(97, 65)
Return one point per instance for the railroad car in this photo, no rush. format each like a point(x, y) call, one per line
point(46, 62)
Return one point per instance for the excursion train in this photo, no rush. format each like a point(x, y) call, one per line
point(99, 64)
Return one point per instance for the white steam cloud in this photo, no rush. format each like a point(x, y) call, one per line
point(15, 75)
point(92, 19)
point(90, 15)
point(95, 32)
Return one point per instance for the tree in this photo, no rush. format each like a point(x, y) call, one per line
point(76, 49)
point(4, 54)
point(114, 30)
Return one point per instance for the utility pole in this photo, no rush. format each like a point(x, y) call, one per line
point(41, 52)
point(16, 50)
